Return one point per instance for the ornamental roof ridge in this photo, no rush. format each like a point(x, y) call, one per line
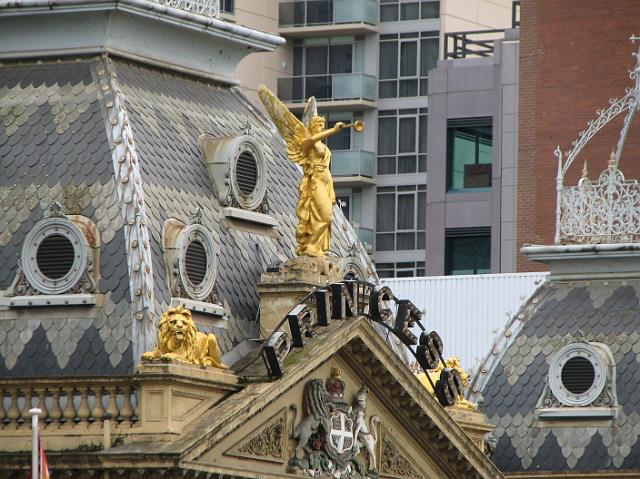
point(601, 211)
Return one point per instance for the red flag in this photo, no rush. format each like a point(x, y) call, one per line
point(43, 467)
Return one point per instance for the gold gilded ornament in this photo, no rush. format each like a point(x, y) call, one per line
point(304, 140)
point(179, 340)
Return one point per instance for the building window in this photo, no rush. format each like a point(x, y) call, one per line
point(402, 141)
point(393, 10)
point(467, 251)
point(344, 202)
point(227, 6)
point(316, 60)
point(400, 217)
point(405, 269)
point(469, 153)
point(350, 201)
point(405, 61)
point(347, 138)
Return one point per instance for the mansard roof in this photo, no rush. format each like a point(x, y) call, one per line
point(62, 124)
point(513, 377)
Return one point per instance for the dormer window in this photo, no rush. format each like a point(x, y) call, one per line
point(191, 264)
point(58, 257)
point(580, 383)
point(237, 168)
point(197, 264)
point(248, 176)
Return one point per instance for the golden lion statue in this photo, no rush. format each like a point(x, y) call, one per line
point(179, 340)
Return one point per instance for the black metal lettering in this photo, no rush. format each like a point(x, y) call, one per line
point(448, 387)
point(404, 322)
point(322, 306)
point(338, 303)
point(378, 307)
point(274, 351)
point(299, 319)
point(352, 298)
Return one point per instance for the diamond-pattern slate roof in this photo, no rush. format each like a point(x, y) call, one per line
point(55, 146)
point(515, 373)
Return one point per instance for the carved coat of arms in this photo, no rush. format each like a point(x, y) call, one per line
point(332, 433)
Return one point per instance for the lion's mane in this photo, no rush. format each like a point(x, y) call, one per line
point(167, 341)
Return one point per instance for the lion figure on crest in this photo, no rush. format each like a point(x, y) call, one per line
point(179, 340)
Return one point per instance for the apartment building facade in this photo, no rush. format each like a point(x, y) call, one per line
point(369, 60)
point(473, 138)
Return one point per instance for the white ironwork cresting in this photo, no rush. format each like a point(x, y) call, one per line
point(606, 211)
point(208, 8)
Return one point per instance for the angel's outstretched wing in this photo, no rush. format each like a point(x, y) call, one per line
point(292, 129)
point(310, 110)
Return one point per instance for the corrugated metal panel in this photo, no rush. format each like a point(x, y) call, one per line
point(467, 311)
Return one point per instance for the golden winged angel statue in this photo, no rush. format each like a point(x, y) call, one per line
point(305, 147)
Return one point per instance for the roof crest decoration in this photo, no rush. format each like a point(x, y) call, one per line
point(130, 194)
point(208, 8)
point(606, 210)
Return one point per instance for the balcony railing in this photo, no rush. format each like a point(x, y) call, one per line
point(327, 12)
point(353, 163)
point(478, 43)
point(342, 86)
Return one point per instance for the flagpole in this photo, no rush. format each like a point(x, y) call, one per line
point(35, 412)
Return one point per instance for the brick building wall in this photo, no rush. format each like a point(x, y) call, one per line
point(574, 56)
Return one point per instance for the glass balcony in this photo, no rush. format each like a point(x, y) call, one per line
point(327, 12)
point(342, 86)
point(353, 163)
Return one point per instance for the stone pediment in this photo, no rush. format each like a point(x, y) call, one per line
point(306, 423)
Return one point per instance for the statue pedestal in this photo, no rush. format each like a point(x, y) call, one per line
point(280, 291)
point(473, 422)
point(174, 394)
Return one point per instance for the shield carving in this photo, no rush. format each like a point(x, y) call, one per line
point(341, 433)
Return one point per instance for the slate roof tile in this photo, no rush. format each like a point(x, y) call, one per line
point(606, 312)
point(55, 137)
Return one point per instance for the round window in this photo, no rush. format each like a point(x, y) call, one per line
point(577, 374)
point(197, 262)
point(248, 174)
point(54, 255)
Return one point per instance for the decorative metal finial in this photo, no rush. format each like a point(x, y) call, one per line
point(578, 336)
point(56, 210)
point(585, 170)
point(246, 130)
point(196, 217)
point(597, 212)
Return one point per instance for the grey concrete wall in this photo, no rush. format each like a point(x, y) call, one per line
point(471, 88)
